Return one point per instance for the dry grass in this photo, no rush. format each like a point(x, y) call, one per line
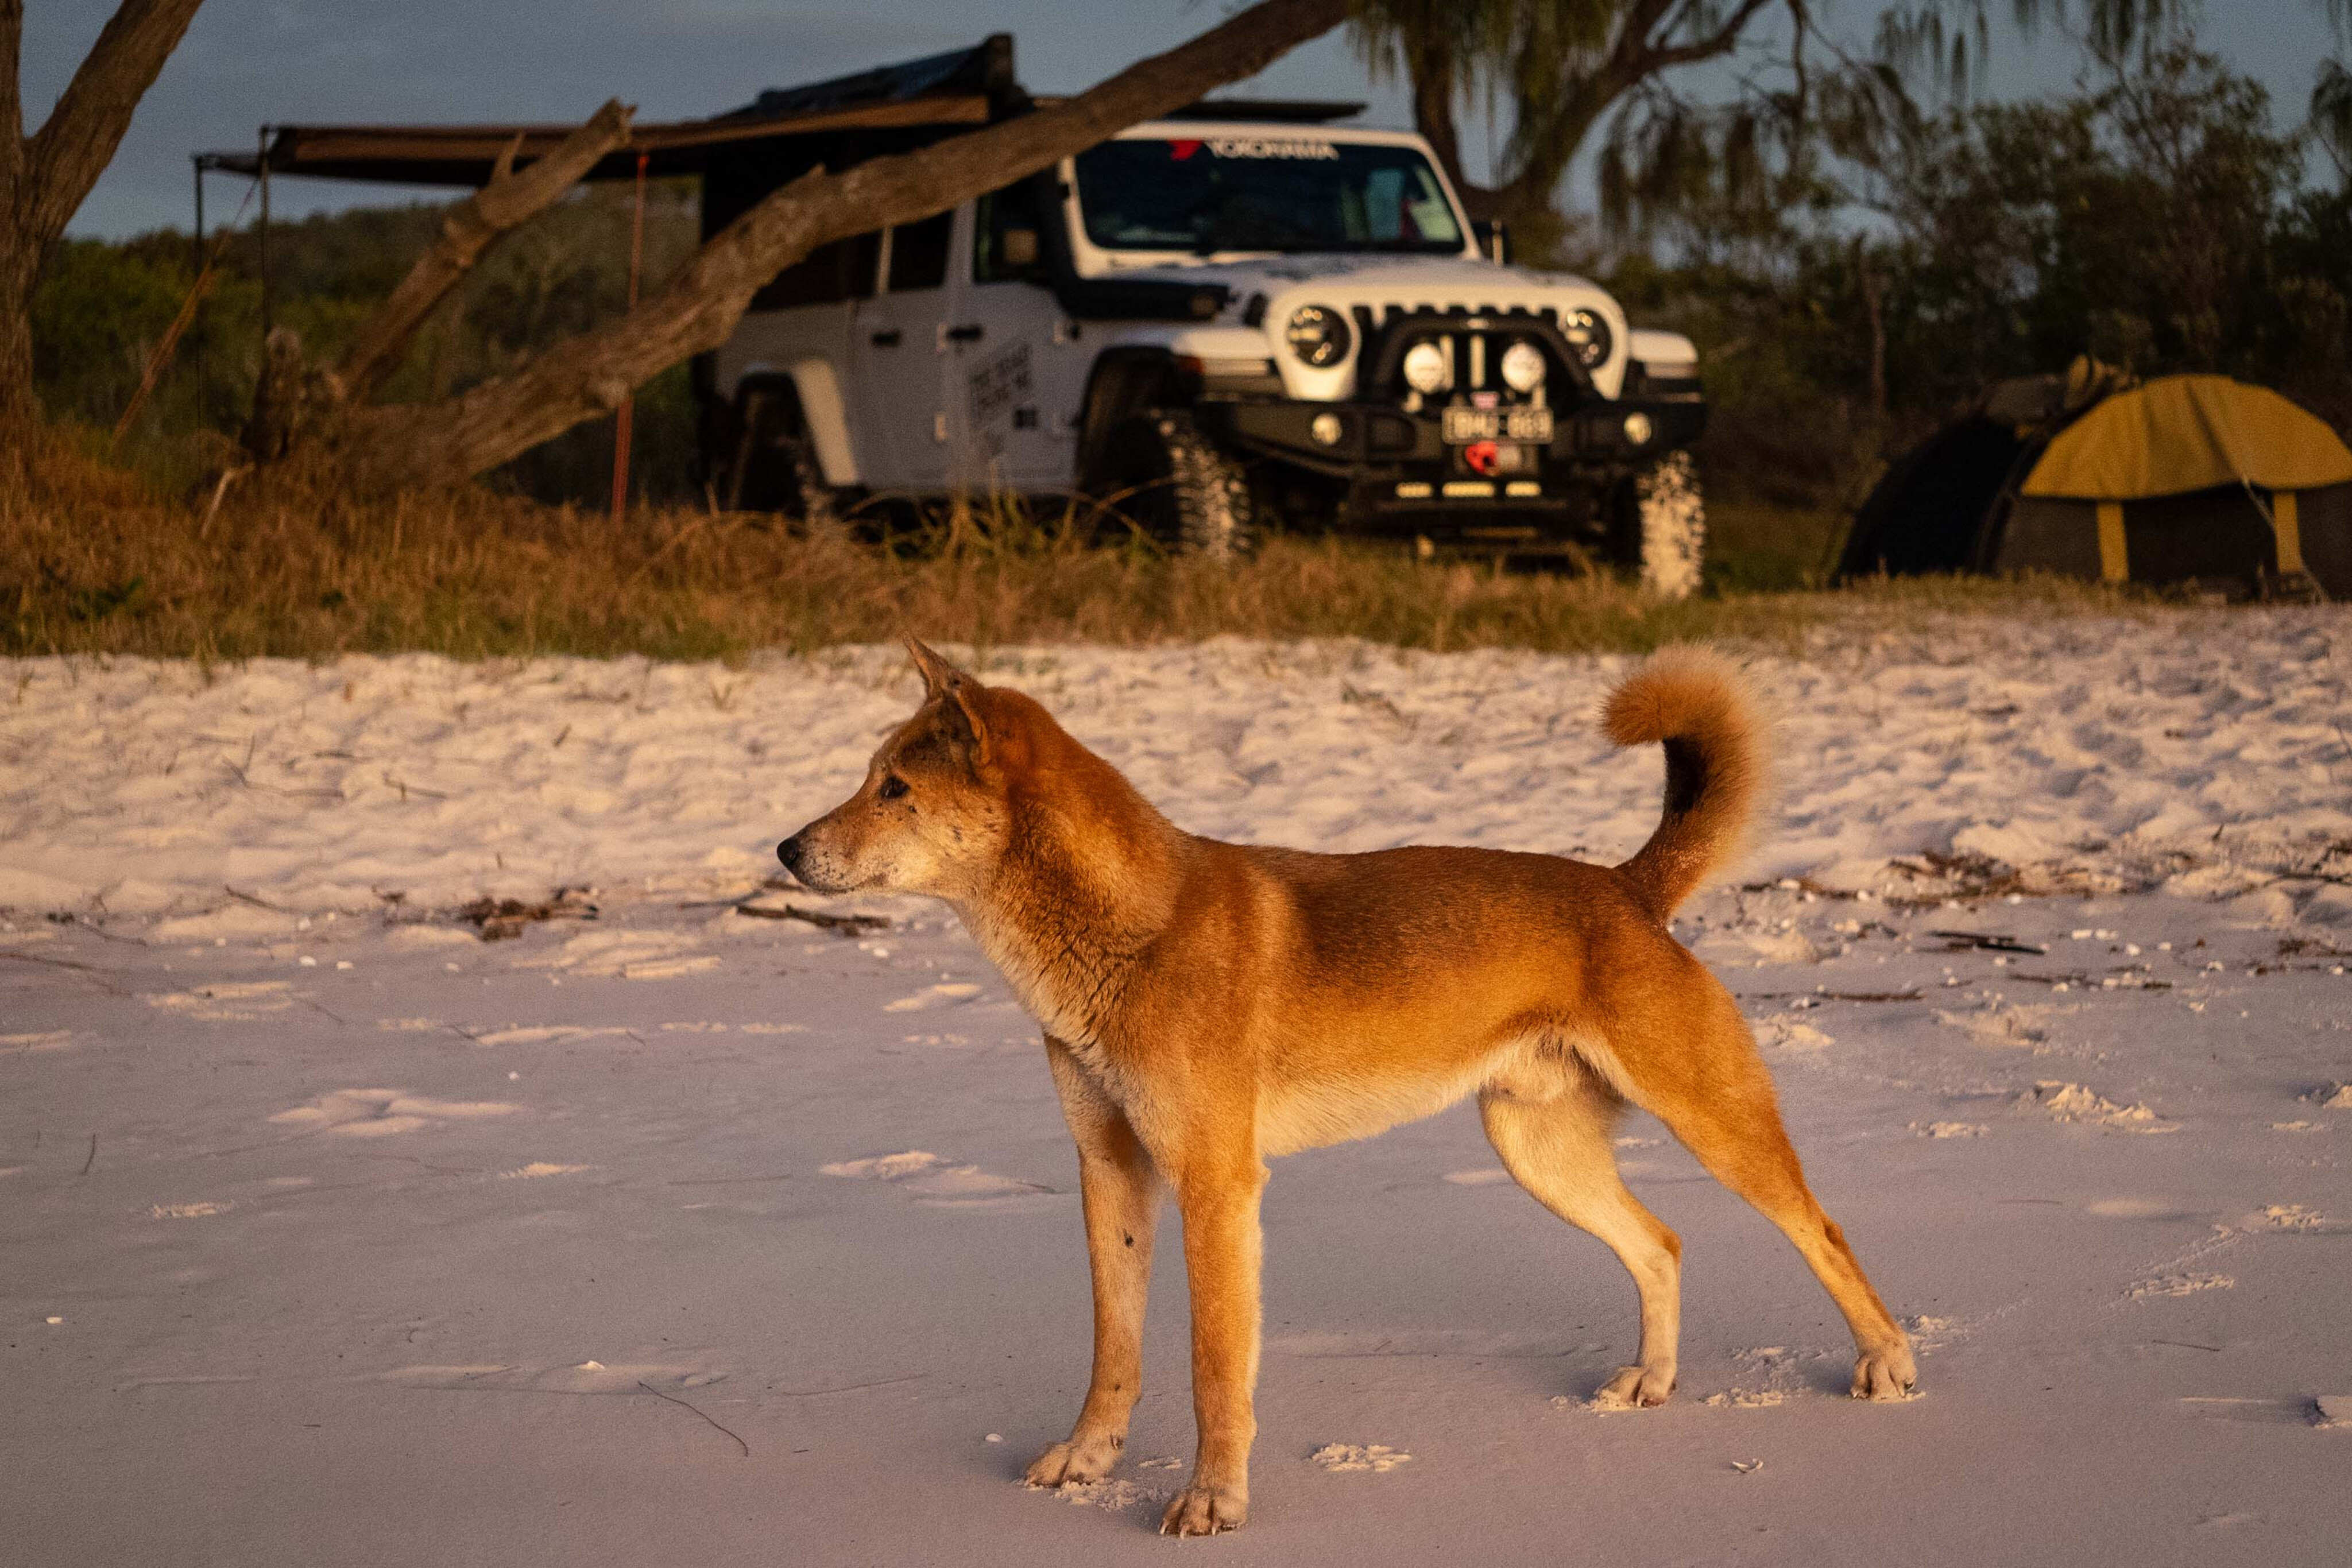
point(95, 561)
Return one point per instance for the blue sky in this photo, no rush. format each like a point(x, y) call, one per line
point(247, 61)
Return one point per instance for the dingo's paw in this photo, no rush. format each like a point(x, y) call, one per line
point(1200, 1509)
point(1076, 1462)
point(1636, 1387)
point(1887, 1373)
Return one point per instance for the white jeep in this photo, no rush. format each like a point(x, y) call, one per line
point(1214, 326)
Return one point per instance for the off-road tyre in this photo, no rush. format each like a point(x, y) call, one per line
point(1658, 527)
point(1187, 491)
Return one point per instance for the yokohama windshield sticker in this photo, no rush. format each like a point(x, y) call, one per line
point(1268, 147)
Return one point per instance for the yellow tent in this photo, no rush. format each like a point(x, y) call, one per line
point(2187, 477)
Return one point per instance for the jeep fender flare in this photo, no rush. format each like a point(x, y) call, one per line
point(816, 392)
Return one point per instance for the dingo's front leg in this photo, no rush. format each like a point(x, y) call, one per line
point(1121, 1194)
point(1223, 1245)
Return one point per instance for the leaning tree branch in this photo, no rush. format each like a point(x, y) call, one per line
point(1668, 56)
point(1557, 128)
point(66, 155)
point(470, 229)
point(12, 114)
point(592, 374)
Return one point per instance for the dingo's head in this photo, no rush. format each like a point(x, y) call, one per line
point(932, 816)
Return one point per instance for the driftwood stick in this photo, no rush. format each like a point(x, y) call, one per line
point(849, 925)
point(684, 1405)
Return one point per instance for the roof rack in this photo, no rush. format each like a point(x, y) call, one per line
point(1275, 110)
point(985, 69)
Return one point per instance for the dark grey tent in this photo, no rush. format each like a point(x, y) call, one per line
point(2189, 478)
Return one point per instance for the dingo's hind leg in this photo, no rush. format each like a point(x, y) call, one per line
point(1714, 1095)
point(1555, 1140)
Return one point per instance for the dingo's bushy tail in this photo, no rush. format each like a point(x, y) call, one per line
point(1697, 705)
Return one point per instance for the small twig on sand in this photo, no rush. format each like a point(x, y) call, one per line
point(244, 897)
point(406, 790)
point(684, 1405)
point(93, 1156)
point(1909, 996)
point(847, 925)
point(85, 923)
point(87, 971)
point(1987, 942)
point(329, 1012)
point(847, 1387)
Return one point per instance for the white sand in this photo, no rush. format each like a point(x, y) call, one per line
point(2187, 748)
point(504, 1253)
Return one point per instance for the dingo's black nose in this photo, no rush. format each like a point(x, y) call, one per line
point(789, 851)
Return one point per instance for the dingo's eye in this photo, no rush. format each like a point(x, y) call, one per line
point(892, 787)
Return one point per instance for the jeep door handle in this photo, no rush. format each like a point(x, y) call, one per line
point(886, 339)
point(967, 334)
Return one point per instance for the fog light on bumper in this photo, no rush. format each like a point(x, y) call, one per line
point(1639, 429)
point(1328, 428)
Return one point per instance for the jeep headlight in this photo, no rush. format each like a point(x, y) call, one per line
point(1425, 367)
point(1318, 335)
point(1523, 367)
point(1588, 336)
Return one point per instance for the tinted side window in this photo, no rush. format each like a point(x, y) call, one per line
point(1014, 207)
point(918, 253)
point(828, 274)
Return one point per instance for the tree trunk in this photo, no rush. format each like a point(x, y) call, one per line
point(1875, 320)
point(18, 408)
point(1562, 84)
point(45, 176)
point(590, 375)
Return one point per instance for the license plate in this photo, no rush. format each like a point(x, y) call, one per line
point(1464, 425)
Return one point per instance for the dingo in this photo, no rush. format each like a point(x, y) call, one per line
point(1207, 1005)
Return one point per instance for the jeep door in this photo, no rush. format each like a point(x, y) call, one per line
point(1020, 370)
point(900, 346)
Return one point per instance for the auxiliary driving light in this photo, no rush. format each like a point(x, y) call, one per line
point(1638, 429)
point(1424, 368)
point(1523, 367)
point(1326, 429)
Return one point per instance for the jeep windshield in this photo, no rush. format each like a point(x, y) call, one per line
point(1272, 192)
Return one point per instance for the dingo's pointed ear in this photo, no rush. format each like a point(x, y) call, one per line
point(962, 719)
point(937, 673)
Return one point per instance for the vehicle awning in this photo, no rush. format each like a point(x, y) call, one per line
point(965, 88)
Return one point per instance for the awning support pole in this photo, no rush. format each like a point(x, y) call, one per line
point(267, 297)
point(623, 417)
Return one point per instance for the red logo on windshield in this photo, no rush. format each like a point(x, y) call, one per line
point(1180, 151)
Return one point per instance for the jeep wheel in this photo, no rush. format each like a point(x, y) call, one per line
point(1658, 526)
point(773, 469)
point(1190, 494)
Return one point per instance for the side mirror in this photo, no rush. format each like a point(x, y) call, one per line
point(1017, 248)
point(1494, 237)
